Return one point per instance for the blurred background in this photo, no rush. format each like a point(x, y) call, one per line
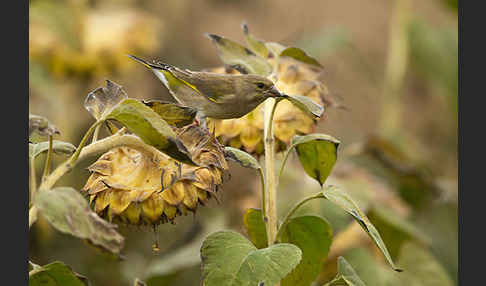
point(392, 63)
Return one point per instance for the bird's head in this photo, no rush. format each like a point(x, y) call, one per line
point(259, 87)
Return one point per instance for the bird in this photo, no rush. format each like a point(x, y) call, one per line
point(214, 95)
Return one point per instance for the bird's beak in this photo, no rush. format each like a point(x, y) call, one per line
point(274, 92)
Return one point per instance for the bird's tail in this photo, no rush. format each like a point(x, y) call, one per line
point(154, 65)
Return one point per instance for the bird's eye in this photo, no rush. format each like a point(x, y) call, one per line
point(260, 85)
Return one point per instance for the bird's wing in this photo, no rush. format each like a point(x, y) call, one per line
point(166, 73)
point(213, 86)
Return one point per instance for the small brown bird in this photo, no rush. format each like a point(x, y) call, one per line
point(220, 96)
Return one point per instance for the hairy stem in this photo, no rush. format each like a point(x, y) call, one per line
point(293, 210)
point(47, 167)
point(270, 192)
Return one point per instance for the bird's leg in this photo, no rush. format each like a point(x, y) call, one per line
point(201, 119)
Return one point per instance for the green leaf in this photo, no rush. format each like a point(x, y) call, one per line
point(394, 229)
point(257, 46)
point(346, 275)
point(305, 104)
point(150, 127)
point(255, 227)
point(317, 154)
point(56, 274)
point(341, 199)
point(241, 157)
point(230, 259)
point(313, 235)
point(40, 128)
point(239, 57)
point(67, 211)
point(174, 114)
point(299, 55)
point(59, 147)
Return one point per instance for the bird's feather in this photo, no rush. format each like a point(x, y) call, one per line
point(174, 78)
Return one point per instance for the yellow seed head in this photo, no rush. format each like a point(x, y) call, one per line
point(129, 186)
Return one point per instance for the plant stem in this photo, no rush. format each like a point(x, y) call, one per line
point(47, 167)
point(262, 181)
point(83, 141)
point(284, 161)
point(270, 192)
point(293, 210)
point(95, 134)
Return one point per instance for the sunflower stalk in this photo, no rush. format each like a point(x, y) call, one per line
point(270, 191)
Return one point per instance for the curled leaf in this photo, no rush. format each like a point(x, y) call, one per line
point(67, 211)
point(306, 105)
point(40, 127)
point(102, 100)
point(240, 58)
point(59, 147)
point(241, 157)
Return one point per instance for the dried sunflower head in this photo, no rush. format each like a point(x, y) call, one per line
point(293, 77)
point(127, 185)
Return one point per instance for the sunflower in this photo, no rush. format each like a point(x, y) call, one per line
point(132, 187)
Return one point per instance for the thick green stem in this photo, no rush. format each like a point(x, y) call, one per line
point(270, 192)
point(47, 167)
point(292, 211)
